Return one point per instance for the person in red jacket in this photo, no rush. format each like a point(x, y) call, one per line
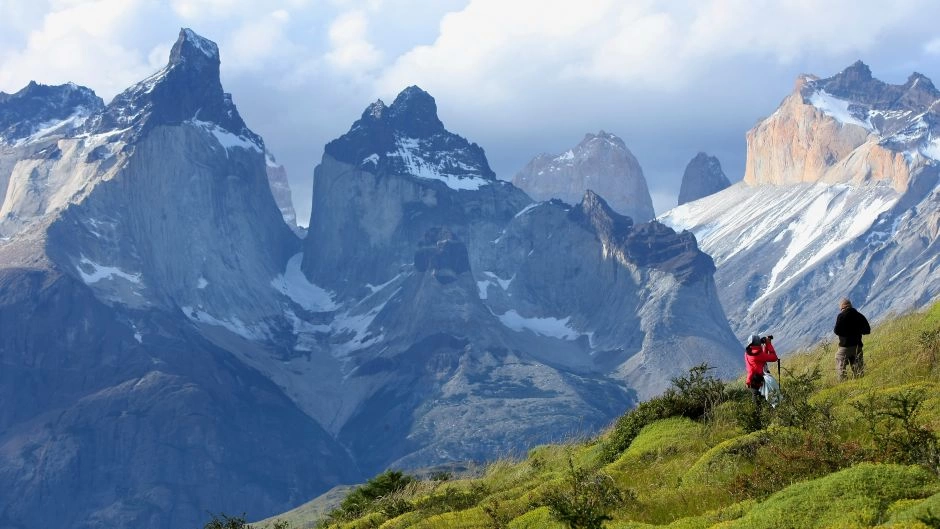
point(756, 355)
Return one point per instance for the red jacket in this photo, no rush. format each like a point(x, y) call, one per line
point(756, 357)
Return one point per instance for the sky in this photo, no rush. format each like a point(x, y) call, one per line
point(518, 77)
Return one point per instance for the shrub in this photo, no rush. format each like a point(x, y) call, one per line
point(694, 396)
point(374, 496)
point(586, 499)
point(224, 521)
point(897, 434)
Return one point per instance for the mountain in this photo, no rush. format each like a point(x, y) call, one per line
point(280, 189)
point(464, 319)
point(37, 110)
point(171, 347)
point(839, 199)
point(702, 177)
point(601, 163)
point(129, 236)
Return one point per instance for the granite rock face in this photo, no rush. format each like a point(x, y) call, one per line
point(601, 163)
point(839, 200)
point(702, 177)
point(486, 322)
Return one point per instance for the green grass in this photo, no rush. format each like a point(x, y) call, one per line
point(856, 454)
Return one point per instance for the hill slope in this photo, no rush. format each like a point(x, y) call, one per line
point(862, 453)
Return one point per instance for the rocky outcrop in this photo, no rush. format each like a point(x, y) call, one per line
point(42, 110)
point(702, 177)
point(600, 163)
point(849, 128)
point(839, 200)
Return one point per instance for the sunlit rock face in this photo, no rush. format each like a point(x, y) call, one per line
point(601, 163)
point(839, 199)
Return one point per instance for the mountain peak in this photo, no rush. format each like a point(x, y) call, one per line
point(187, 88)
point(609, 138)
point(703, 176)
point(414, 112)
point(407, 138)
point(858, 70)
point(45, 108)
point(191, 46)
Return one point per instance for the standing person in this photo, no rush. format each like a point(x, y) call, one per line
point(756, 355)
point(850, 326)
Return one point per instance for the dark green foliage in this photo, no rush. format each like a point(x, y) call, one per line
point(897, 434)
point(224, 521)
point(452, 499)
point(694, 396)
point(586, 499)
point(374, 496)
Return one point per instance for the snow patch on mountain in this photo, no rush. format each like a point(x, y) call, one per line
point(551, 327)
point(93, 272)
point(293, 284)
point(839, 109)
point(410, 152)
point(226, 139)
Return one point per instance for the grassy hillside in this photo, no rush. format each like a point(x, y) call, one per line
point(861, 453)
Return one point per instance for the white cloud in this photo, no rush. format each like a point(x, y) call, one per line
point(492, 45)
point(73, 43)
point(933, 47)
point(351, 50)
point(259, 42)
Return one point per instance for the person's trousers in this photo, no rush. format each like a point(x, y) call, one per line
point(850, 355)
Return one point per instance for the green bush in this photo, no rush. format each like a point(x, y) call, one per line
point(374, 496)
point(586, 499)
point(694, 396)
point(897, 434)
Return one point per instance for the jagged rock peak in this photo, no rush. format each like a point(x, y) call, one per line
point(650, 244)
point(415, 113)
point(703, 176)
point(407, 138)
point(193, 47)
point(594, 212)
point(187, 89)
point(38, 108)
point(856, 84)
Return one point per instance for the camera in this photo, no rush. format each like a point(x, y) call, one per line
point(765, 339)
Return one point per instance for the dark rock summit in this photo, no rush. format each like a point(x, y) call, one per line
point(702, 177)
point(407, 138)
point(61, 108)
point(188, 88)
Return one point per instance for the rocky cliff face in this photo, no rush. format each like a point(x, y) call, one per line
point(849, 128)
point(280, 189)
point(462, 311)
point(130, 238)
point(601, 163)
point(839, 199)
point(702, 177)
